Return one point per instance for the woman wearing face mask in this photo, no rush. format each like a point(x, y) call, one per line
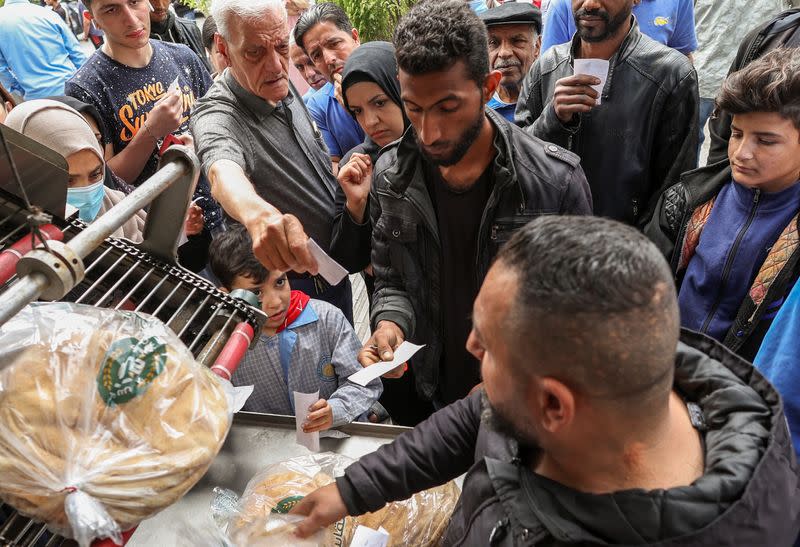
point(371, 94)
point(64, 130)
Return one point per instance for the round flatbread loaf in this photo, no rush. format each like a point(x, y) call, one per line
point(108, 403)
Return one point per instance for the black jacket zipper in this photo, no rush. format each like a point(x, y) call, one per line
point(729, 262)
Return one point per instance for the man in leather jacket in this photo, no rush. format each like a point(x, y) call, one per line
point(597, 425)
point(448, 193)
point(639, 133)
point(166, 26)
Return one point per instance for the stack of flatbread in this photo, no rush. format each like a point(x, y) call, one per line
point(419, 521)
point(108, 404)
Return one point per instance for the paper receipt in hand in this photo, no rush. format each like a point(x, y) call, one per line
point(594, 67)
point(329, 269)
point(403, 353)
point(302, 401)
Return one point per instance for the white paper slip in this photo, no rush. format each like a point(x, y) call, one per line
point(301, 403)
point(367, 537)
point(333, 434)
point(402, 354)
point(331, 270)
point(594, 67)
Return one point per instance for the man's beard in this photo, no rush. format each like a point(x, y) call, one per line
point(464, 143)
point(497, 420)
point(612, 24)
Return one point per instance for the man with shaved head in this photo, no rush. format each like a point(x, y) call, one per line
point(600, 423)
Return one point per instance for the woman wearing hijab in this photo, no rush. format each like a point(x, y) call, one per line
point(371, 93)
point(64, 129)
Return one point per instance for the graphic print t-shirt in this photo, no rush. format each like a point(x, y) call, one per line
point(124, 95)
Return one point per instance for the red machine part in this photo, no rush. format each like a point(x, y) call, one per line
point(10, 257)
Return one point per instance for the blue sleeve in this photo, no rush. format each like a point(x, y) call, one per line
point(7, 77)
point(684, 38)
point(557, 28)
point(74, 50)
point(350, 400)
point(778, 357)
point(318, 115)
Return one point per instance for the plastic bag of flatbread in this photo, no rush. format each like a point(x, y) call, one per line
point(105, 418)
point(419, 521)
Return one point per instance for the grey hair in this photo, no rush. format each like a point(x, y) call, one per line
point(248, 10)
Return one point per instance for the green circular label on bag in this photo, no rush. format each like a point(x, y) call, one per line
point(286, 505)
point(129, 367)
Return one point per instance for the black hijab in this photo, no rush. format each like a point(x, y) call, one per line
point(373, 62)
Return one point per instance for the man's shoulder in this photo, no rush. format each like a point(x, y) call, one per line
point(658, 61)
point(219, 99)
point(329, 317)
point(320, 99)
point(176, 52)
point(556, 57)
point(532, 153)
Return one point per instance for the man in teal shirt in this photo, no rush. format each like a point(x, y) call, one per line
point(38, 53)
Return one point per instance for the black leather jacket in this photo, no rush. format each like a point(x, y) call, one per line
point(749, 493)
point(531, 178)
point(638, 141)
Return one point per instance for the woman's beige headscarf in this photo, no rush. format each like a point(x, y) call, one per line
point(54, 125)
point(65, 130)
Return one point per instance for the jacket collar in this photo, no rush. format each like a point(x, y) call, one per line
point(625, 49)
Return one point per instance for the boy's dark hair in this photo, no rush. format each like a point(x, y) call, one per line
point(436, 34)
point(231, 254)
point(321, 13)
point(768, 84)
point(595, 306)
point(208, 32)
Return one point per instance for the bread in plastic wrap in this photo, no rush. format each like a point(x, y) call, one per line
point(419, 521)
point(105, 418)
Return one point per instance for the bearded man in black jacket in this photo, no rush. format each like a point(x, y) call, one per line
point(599, 422)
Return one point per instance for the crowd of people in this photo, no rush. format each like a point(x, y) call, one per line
point(590, 290)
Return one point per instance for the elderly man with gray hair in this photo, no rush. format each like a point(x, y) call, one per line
point(266, 160)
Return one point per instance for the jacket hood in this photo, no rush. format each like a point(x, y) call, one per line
point(749, 493)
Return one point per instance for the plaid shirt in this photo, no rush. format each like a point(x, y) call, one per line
point(317, 351)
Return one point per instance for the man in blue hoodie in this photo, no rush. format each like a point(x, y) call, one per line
point(731, 228)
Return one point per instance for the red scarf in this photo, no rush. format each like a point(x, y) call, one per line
point(297, 303)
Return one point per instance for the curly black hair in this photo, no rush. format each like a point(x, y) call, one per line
point(768, 84)
point(436, 34)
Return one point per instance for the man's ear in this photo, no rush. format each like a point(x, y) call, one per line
point(490, 84)
point(556, 404)
point(354, 34)
point(222, 46)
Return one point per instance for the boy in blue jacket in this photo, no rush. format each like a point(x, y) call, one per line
point(731, 229)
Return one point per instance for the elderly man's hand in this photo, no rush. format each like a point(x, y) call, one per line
point(281, 244)
point(322, 508)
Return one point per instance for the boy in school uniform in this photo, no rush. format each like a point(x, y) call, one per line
point(306, 345)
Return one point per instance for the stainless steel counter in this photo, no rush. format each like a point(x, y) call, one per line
point(255, 441)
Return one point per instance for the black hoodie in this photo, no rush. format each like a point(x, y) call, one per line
point(749, 494)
